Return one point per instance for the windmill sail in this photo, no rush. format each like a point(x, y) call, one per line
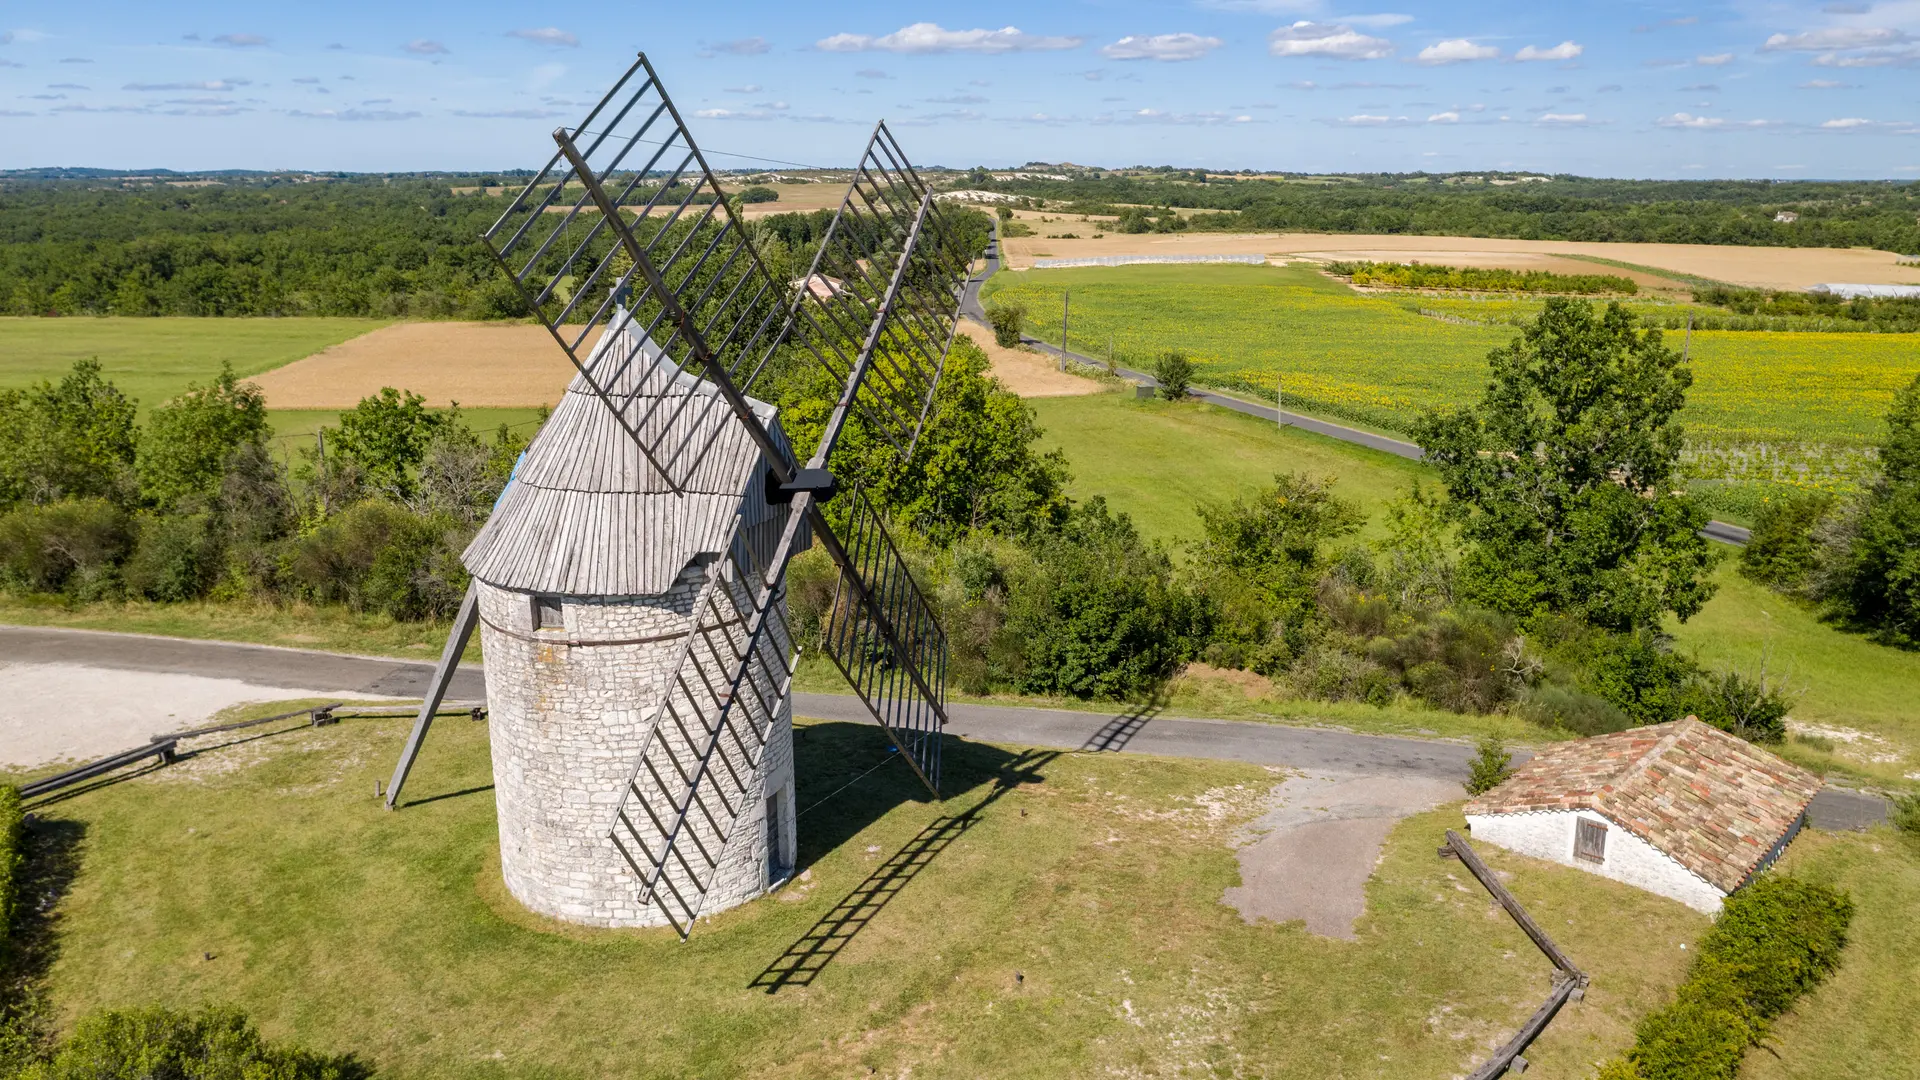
point(625, 239)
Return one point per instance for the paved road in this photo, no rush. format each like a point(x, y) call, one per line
point(1222, 740)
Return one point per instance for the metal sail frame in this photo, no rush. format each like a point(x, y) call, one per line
point(901, 270)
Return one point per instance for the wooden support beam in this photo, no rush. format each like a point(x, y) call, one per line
point(463, 624)
point(1532, 929)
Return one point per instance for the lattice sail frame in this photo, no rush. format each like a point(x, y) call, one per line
point(878, 309)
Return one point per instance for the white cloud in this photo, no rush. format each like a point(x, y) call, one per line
point(1837, 37)
point(1370, 120)
point(1565, 119)
point(508, 114)
point(1457, 50)
point(241, 41)
point(958, 99)
point(1331, 40)
point(1448, 117)
point(750, 88)
point(1822, 84)
point(1870, 58)
point(1689, 122)
point(929, 37)
point(1566, 50)
point(752, 46)
point(1714, 60)
point(215, 84)
point(1161, 47)
point(1377, 22)
point(354, 115)
point(546, 35)
point(423, 47)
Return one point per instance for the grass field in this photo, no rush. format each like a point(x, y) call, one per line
point(1073, 927)
point(152, 360)
point(1762, 404)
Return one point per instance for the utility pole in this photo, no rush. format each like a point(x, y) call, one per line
point(1066, 299)
point(1280, 398)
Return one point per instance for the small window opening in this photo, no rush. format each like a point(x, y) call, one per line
point(546, 613)
point(1590, 841)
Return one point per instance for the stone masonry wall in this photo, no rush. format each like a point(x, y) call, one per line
point(567, 720)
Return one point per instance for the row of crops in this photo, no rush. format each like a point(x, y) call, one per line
point(1794, 408)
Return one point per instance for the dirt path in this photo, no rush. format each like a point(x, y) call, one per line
point(474, 363)
point(1318, 845)
point(1025, 372)
point(1760, 267)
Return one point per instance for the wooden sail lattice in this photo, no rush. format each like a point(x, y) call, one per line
point(627, 232)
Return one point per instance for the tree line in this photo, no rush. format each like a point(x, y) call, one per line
point(361, 246)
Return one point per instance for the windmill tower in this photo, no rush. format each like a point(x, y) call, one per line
point(630, 585)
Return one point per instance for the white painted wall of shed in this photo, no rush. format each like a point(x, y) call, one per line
point(1548, 834)
point(567, 722)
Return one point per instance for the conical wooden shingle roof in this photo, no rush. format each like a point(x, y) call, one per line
point(587, 514)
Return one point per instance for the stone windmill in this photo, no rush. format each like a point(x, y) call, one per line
point(630, 584)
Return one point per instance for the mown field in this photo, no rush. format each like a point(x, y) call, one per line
point(1764, 406)
point(152, 360)
point(1073, 927)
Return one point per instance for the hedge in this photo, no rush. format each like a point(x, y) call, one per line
point(1775, 940)
point(154, 1043)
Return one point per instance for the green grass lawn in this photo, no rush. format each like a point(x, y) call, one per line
point(1157, 459)
point(152, 360)
point(1841, 680)
point(1074, 928)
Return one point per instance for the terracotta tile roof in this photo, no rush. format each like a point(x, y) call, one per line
point(1714, 802)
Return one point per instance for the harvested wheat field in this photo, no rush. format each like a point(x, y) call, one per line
point(1758, 267)
point(1025, 372)
point(472, 363)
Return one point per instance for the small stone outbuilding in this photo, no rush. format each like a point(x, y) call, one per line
point(1682, 809)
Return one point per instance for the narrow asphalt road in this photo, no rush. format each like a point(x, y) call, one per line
point(1127, 732)
point(970, 306)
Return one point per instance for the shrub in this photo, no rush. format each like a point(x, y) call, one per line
point(73, 546)
point(387, 436)
point(1781, 551)
point(1581, 713)
point(188, 441)
point(378, 557)
point(11, 825)
point(759, 194)
point(1333, 674)
point(71, 439)
point(1174, 372)
point(155, 1043)
point(1099, 613)
point(1491, 766)
point(1008, 318)
point(176, 558)
point(1775, 940)
point(1754, 709)
point(1905, 814)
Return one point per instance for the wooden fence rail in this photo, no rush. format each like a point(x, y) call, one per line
point(1569, 982)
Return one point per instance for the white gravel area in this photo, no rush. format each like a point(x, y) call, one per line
point(70, 712)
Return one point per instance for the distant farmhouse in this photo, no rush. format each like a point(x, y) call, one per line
point(1680, 809)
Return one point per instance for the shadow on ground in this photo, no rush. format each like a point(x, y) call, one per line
point(827, 753)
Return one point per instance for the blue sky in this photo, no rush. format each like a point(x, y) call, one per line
point(1748, 89)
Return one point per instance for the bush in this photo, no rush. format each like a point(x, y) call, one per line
point(1581, 713)
point(185, 451)
point(155, 1043)
point(1781, 551)
point(1776, 939)
point(11, 824)
point(1754, 709)
point(1099, 614)
point(1174, 372)
point(1008, 318)
point(378, 557)
point(177, 558)
point(1905, 814)
point(759, 194)
point(68, 440)
point(73, 546)
point(1491, 766)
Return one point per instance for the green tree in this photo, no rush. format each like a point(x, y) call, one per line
point(188, 441)
point(1174, 372)
point(1878, 587)
point(1781, 552)
point(1564, 475)
point(1007, 317)
point(74, 438)
point(1491, 766)
point(386, 436)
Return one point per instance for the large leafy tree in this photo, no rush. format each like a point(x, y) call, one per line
point(1564, 475)
point(74, 438)
point(387, 436)
point(1878, 584)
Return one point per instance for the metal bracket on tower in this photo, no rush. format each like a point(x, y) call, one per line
point(818, 483)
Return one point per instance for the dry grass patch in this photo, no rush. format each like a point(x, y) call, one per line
point(472, 363)
point(1025, 372)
